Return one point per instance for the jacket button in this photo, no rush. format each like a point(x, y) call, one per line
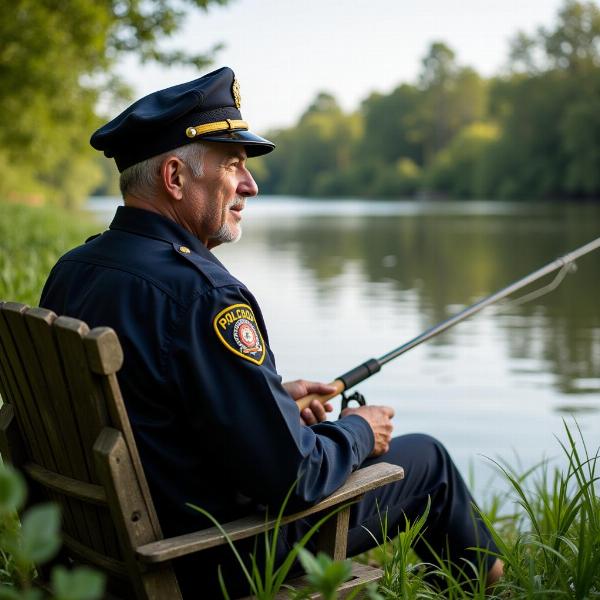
point(184, 250)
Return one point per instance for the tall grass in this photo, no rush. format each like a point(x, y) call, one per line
point(553, 546)
point(31, 240)
point(401, 568)
point(547, 531)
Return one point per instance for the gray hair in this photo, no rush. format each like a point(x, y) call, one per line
point(142, 178)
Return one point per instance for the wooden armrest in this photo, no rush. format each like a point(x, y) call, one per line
point(358, 483)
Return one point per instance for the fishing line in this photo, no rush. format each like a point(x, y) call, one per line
point(569, 267)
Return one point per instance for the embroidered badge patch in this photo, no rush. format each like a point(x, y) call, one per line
point(236, 327)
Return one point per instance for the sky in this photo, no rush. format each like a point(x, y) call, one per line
point(286, 51)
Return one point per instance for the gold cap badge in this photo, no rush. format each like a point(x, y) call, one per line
point(235, 90)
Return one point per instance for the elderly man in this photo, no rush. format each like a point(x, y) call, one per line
point(214, 424)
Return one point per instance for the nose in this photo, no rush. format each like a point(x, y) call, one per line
point(247, 186)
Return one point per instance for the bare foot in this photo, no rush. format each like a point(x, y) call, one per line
point(495, 573)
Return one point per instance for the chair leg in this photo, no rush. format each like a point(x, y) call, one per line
point(131, 516)
point(333, 535)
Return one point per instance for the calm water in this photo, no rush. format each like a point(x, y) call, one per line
point(340, 282)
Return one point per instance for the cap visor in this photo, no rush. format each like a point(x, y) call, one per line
point(254, 144)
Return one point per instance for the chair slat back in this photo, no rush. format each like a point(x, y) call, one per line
point(37, 412)
point(60, 378)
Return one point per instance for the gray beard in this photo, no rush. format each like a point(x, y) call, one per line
point(225, 235)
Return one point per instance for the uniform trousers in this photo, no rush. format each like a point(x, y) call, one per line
point(452, 528)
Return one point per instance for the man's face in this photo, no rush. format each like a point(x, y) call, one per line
point(214, 201)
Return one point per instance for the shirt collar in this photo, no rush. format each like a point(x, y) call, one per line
point(152, 225)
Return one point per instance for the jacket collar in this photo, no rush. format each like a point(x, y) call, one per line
point(152, 225)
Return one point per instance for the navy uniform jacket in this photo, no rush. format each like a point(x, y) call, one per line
point(212, 422)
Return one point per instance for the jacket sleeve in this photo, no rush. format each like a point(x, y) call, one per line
point(234, 398)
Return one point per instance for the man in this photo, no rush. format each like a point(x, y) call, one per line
point(214, 424)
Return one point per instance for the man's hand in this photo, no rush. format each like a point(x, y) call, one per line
point(316, 412)
point(380, 420)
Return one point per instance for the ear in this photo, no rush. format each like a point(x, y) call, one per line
point(173, 173)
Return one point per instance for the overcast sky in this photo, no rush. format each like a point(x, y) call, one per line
point(285, 51)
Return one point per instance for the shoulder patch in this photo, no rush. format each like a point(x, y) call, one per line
point(237, 329)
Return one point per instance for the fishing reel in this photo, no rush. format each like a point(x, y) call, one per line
point(356, 397)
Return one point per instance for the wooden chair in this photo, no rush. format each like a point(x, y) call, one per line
point(64, 424)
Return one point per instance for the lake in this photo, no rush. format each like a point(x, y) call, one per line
point(343, 281)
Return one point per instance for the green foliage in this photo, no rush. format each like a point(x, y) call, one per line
point(55, 64)
point(401, 568)
point(31, 241)
point(556, 548)
point(323, 574)
point(82, 583)
point(580, 132)
point(401, 178)
point(550, 545)
point(451, 98)
point(12, 491)
point(33, 542)
point(39, 539)
point(392, 126)
point(462, 167)
point(310, 155)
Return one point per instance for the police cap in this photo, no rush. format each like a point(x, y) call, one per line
point(206, 109)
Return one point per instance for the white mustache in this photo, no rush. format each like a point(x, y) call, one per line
point(238, 203)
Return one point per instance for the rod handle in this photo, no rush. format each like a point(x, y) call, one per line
point(305, 401)
point(355, 376)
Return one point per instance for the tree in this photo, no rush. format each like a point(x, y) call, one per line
point(460, 169)
point(312, 155)
point(580, 132)
point(55, 61)
point(573, 44)
point(391, 126)
point(438, 67)
point(575, 41)
point(548, 110)
point(452, 97)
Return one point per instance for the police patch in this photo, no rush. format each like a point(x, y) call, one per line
point(236, 327)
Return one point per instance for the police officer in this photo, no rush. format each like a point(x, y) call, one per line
point(214, 424)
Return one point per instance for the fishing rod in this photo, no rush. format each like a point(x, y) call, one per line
point(373, 365)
